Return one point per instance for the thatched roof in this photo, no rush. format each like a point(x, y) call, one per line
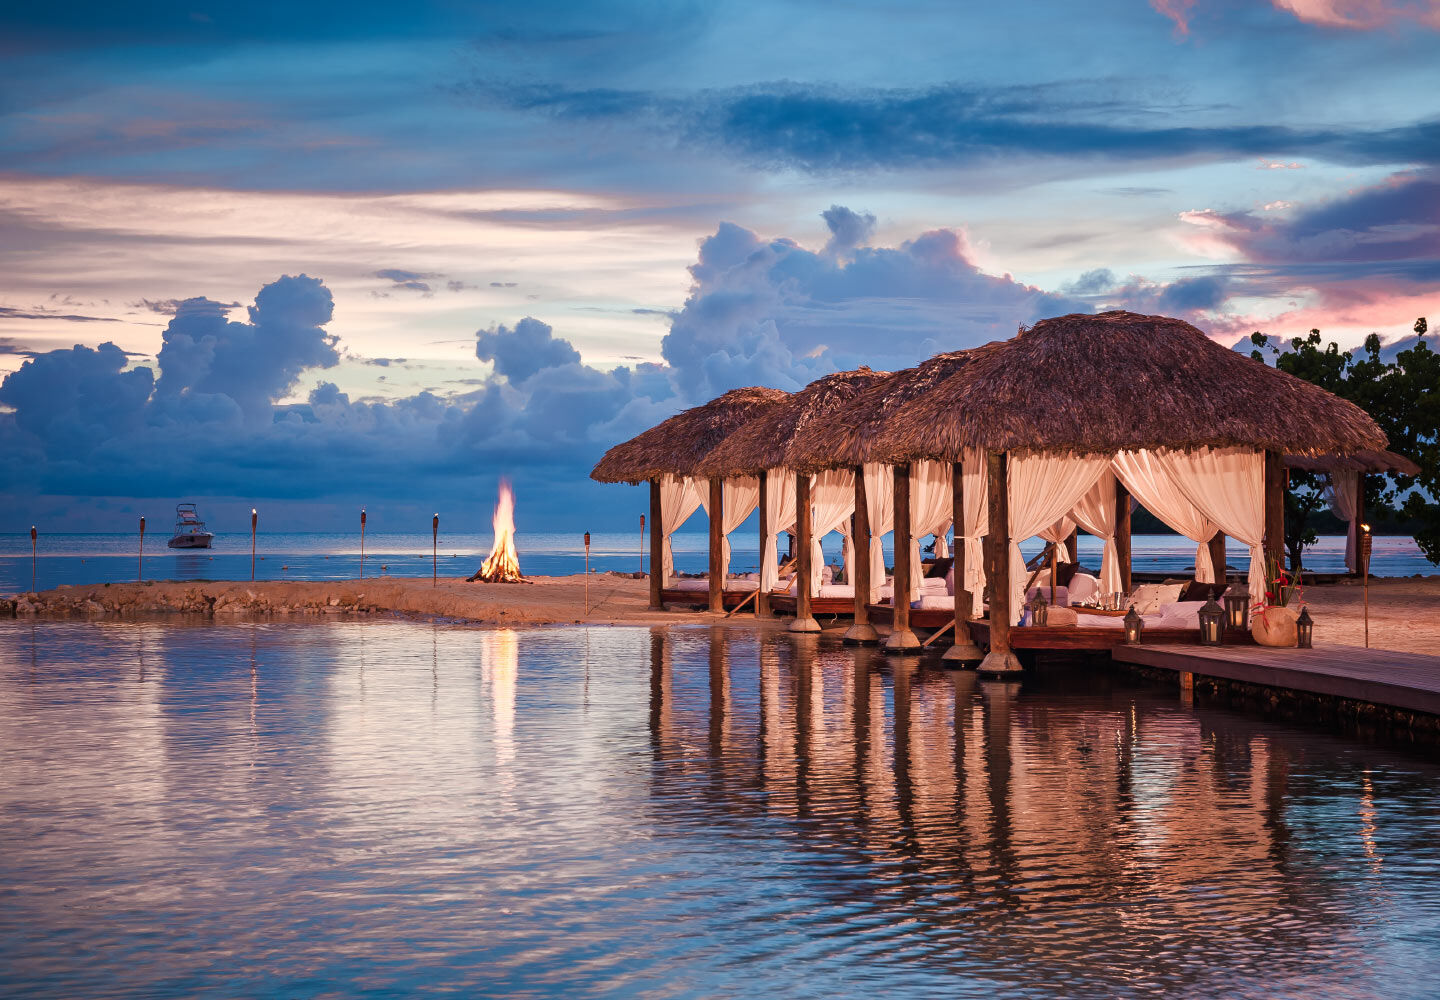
point(1360, 461)
point(846, 436)
point(1084, 384)
point(676, 446)
point(764, 443)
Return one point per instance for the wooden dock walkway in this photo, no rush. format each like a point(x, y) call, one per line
point(1409, 681)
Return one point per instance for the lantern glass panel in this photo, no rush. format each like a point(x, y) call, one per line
point(1212, 624)
point(1305, 629)
point(1237, 608)
point(1133, 626)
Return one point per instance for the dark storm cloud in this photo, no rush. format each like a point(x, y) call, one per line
point(413, 281)
point(13, 312)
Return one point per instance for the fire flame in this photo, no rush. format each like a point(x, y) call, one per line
point(503, 563)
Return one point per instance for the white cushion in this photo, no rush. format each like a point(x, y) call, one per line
point(1083, 587)
point(1181, 614)
point(934, 602)
point(1147, 598)
point(837, 590)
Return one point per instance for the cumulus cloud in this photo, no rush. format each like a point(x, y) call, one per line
point(771, 312)
point(521, 352)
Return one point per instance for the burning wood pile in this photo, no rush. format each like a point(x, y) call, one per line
point(503, 564)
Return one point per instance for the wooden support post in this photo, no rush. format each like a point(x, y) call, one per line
point(1217, 557)
point(804, 620)
point(657, 543)
point(1000, 661)
point(862, 633)
point(901, 639)
point(1275, 507)
point(762, 599)
point(964, 651)
point(1122, 534)
point(717, 541)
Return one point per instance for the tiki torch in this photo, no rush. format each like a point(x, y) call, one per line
point(587, 572)
point(435, 551)
point(362, 543)
point(254, 520)
point(140, 576)
point(642, 543)
point(1365, 568)
point(32, 558)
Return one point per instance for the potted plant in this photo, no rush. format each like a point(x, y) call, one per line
point(1273, 617)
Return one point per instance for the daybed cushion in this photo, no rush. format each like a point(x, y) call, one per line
point(826, 590)
point(1182, 614)
point(1147, 598)
point(1082, 587)
point(934, 602)
point(1061, 597)
point(733, 585)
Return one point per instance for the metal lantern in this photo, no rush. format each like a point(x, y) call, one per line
point(1039, 610)
point(1237, 606)
point(1133, 625)
point(1212, 624)
point(1305, 629)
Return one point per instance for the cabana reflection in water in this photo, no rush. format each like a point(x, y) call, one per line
point(399, 807)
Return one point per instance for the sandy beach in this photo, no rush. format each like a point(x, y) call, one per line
point(1404, 613)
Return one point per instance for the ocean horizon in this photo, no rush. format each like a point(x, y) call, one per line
point(114, 557)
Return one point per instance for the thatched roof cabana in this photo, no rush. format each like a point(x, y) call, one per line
point(765, 442)
point(846, 436)
point(676, 446)
point(1094, 384)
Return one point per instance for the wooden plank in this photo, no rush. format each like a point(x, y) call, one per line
point(1069, 637)
point(1409, 681)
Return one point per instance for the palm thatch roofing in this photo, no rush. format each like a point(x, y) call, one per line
point(676, 446)
point(1088, 384)
point(765, 442)
point(845, 438)
point(1360, 461)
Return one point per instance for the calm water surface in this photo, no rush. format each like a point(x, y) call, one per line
point(391, 808)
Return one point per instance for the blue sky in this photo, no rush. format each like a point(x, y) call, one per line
point(387, 254)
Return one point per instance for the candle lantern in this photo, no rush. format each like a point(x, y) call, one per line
point(1305, 629)
point(1133, 626)
point(1212, 624)
point(1039, 610)
point(1237, 606)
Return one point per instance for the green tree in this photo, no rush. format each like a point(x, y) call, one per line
point(1403, 396)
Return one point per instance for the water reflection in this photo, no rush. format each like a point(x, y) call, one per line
point(395, 808)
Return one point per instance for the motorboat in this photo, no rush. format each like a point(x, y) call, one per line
point(190, 531)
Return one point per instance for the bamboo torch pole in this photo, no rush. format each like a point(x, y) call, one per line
point(254, 522)
point(362, 543)
point(587, 572)
point(1365, 567)
point(435, 551)
point(140, 574)
point(33, 550)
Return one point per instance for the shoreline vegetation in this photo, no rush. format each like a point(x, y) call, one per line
point(1404, 611)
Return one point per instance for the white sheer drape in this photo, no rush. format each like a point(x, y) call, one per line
point(1344, 496)
point(738, 500)
point(1096, 514)
point(1228, 486)
point(880, 505)
point(832, 498)
point(1147, 479)
point(975, 482)
point(1043, 488)
point(931, 505)
point(1059, 534)
point(679, 498)
point(779, 516)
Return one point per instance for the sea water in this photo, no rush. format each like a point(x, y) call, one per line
point(394, 808)
point(112, 558)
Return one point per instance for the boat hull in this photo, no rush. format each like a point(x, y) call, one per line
point(200, 540)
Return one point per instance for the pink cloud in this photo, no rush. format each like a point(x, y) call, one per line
point(1362, 15)
point(1177, 11)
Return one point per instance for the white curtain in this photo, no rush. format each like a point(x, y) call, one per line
point(880, 505)
point(1043, 488)
point(1228, 486)
point(738, 500)
point(1096, 514)
point(779, 516)
point(931, 507)
point(1147, 479)
point(977, 526)
point(679, 498)
point(1344, 496)
point(832, 499)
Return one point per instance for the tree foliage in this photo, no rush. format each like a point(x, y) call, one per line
point(1402, 395)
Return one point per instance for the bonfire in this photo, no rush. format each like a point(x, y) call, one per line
point(503, 564)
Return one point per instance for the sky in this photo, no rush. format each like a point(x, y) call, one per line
point(313, 256)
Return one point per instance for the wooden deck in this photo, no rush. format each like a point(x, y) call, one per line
point(1409, 681)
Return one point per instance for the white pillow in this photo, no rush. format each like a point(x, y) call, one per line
point(1083, 587)
point(1182, 614)
point(1148, 597)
